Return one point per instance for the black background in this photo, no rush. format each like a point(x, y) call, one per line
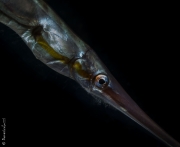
point(136, 41)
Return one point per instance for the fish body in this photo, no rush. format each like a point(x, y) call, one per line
point(60, 49)
point(40, 30)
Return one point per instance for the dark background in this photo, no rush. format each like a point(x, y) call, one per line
point(136, 41)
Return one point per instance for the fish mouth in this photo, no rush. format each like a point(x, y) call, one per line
point(116, 96)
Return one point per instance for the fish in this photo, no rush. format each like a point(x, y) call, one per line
point(76, 67)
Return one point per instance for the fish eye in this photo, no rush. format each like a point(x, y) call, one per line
point(101, 81)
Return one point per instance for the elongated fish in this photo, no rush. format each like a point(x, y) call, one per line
point(53, 43)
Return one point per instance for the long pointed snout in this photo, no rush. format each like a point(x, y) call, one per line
point(117, 97)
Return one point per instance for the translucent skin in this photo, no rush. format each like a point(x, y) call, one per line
point(60, 49)
point(44, 33)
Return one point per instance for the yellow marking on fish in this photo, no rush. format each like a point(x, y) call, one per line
point(78, 67)
point(40, 40)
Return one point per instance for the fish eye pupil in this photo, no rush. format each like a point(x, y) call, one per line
point(102, 81)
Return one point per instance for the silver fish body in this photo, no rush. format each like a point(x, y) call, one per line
point(64, 45)
point(60, 49)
